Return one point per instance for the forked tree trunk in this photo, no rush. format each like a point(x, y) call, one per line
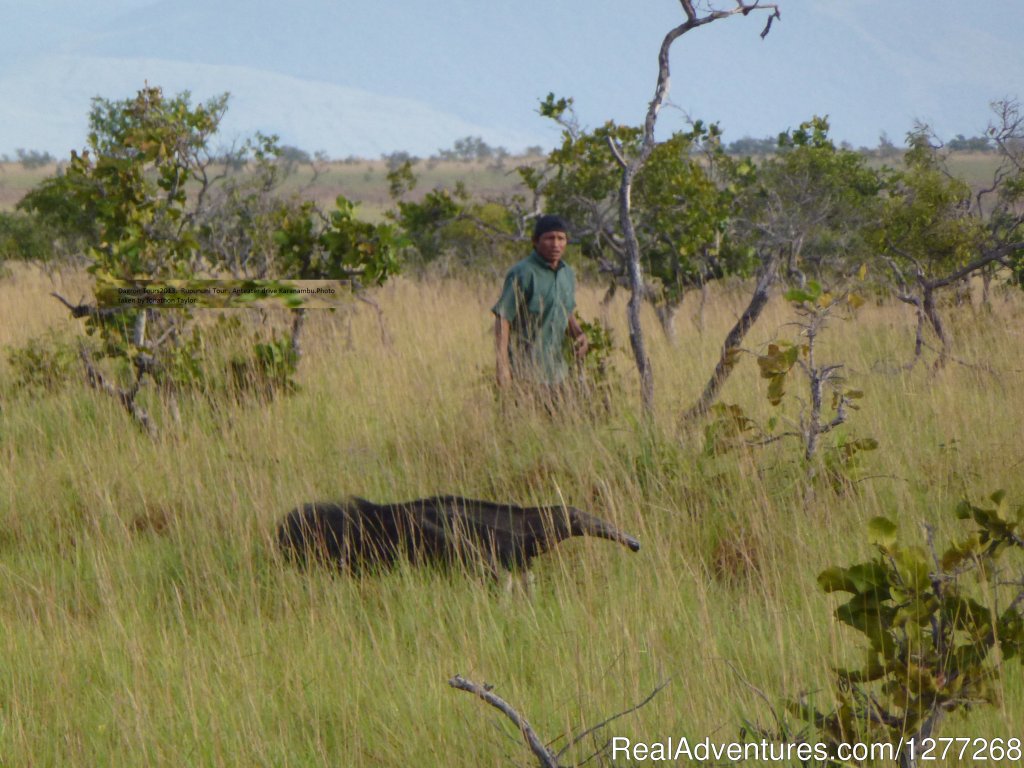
point(631, 167)
point(730, 348)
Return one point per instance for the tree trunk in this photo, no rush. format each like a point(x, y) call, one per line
point(632, 167)
point(698, 319)
point(730, 348)
point(986, 288)
point(816, 382)
point(915, 302)
point(935, 321)
point(667, 312)
point(298, 321)
point(909, 758)
point(636, 285)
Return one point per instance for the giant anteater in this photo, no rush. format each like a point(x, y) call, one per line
point(355, 533)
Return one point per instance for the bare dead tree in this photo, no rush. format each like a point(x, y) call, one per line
point(631, 167)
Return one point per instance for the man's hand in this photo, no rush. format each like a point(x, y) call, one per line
point(501, 334)
point(581, 346)
point(504, 376)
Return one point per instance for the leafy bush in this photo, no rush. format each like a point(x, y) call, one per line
point(24, 237)
point(595, 381)
point(45, 363)
point(939, 628)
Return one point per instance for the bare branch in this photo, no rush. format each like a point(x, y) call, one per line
point(632, 168)
point(616, 152)
point(768, 26)
point(691, 14)
point(87, 310)
point(577, 739)
point(385, 338)
point(994, 255)
point(544, 757)
point(124, 396)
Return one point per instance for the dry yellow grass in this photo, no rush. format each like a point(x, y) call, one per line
point(145, 619)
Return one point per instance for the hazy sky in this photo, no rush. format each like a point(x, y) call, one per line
point(382, 75)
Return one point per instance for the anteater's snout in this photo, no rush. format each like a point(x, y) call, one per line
point(585, 524)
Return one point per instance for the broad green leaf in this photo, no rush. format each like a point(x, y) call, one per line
point(865, 577)
point(913, 566)
point(799, 296)
point(882, 532)
point(868, 613)
point(836, 579)
point(959, 552)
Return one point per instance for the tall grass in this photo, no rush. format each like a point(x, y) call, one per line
point(145, 618)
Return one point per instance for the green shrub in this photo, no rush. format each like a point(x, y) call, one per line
point(45, 363)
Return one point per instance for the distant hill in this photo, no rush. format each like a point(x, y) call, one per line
point(46, 105)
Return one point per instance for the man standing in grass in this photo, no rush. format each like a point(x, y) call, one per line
point(535, 312)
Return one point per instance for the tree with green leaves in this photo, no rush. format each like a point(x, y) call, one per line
point(811, 204)
point(630, 164)
point(149, 199)
point(127, 199)
point(801, 210)
point(649, 212)
point(446, 228)
point(23, 237)
point(935, 231)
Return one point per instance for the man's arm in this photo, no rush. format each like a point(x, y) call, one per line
point(501, 335)
point(579, 338)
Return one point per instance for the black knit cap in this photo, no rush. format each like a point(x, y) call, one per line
point(550, 223)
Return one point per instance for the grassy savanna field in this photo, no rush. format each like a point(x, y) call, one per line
point(363, 181)
point(145, 618)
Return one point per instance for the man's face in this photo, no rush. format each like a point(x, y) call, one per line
point(550, 246)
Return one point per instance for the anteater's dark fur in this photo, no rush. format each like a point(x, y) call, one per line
point(357, 533)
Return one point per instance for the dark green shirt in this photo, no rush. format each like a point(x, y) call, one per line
point(537, 301)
